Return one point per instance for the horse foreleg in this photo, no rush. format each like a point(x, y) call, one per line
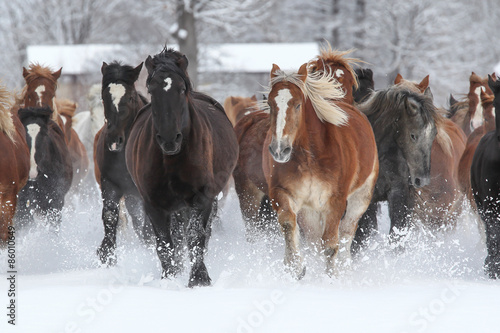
point(142, 224)
point(198, 234)
point(492, 225)
point(331, 235)
point(250, 198)
point(8, 202)
point(110, 212)
point(367, 227)
point(400, 206)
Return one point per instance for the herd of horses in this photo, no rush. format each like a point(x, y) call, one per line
point(311, 161)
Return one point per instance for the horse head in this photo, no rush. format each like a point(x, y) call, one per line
point(170, 89)
point(120, 101)
point(41, 86)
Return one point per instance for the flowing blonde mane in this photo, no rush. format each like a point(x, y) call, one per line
point(330, 57)
point(321, 88)
point(6, 121)
point(66, 107)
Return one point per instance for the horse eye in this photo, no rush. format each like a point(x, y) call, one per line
point(297, 107)
point(413, 137)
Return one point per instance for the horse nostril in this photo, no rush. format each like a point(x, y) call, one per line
point(417, 181)
point(178, 138)
point(287, 151)
point(159, 138)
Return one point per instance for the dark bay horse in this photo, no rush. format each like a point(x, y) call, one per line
point(439, 203)
point(320, 162)
point(366, 85)
point(181, 152)
point(404, 123)
point(14, 164)
point(485, 183)
point(51, 170)
point(121, 103)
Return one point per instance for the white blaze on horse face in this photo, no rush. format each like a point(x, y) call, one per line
point(168, 82)
point(281, 99)
point(339, 73)
point(33, 130)
point(39, 90)
point(117, 91)
point(477, 120)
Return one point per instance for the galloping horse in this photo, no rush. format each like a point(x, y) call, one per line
point(40, 91)
point(485, 180)
point(181, 152)
point(14, 163)
point(121, 103)
point(366, 85)
point(50, 172)
point(78, 152)
point(439, 203)
point(320, 163)
point(473, 140)
point(404, 123)
point(469, 115)
point(236, 107)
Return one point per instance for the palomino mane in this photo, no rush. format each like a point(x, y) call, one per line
point(66, 107)
point(331, 57)
point(320, 88)
point(6, 121)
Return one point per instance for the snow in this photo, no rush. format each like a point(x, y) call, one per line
point(437, 285)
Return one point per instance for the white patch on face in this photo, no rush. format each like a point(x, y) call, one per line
point(33, 130)
point(168, 81)
point(282, 99)
point(339, 73)
point(477, 120)
point(117, 91)
point(39, 90)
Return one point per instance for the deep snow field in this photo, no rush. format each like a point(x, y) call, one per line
point(436, 285)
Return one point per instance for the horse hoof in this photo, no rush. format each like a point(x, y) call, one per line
point(199, 279)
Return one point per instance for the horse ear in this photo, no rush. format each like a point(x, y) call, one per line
point(274, 70)
point(183, 63)
point(453, 101)
point(253, 98)
point(422, 86)
point(428, 93)
point(57, 74)
point(103, 67)
point(25, 72)
point(149, 64)
point(137, 71)
point(494, 84)
point(398, 78)
point(233, 100)
point(303, 72)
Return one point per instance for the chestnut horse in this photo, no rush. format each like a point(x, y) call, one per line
point(181, 152)
point(77, 150)
point(404, 123)
point(320, 163)
point(51, 171)
point(236, 107)
point(121, 103)
point(472, 142)
point(468, 115)
point(40, 91)
point(439, 203)
point(485, 180)
point(14, 163)
point(249, 180)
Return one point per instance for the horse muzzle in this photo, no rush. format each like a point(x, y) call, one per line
point(419, 182)
point(280, 152)
point(170, 147)
point(116, 145)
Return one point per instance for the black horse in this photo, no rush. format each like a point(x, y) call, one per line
point(366, 85)
point(485, 183)
point(121, 104)
point(51, 168)
point(181, 153)
point(404, 123)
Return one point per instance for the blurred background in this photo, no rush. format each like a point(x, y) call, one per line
point(231, 44)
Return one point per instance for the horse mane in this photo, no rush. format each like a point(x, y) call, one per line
point(36, 71)
point(333, 57)
point(170, 59)
point(474, 78)
point(6, 121)
point(383, 108)
point(320, 88)
point(116, 71)
point(66, 107)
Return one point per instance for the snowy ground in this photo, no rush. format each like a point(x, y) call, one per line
point(437, 285)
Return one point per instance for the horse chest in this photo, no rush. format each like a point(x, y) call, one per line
point(312, 192)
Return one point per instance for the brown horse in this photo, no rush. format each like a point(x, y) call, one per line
point(468, 114)
point(472, 143)
point(14, 163)
point(249, 179)
point(77, 150)
point(438, 203)
point(320, 163)
point(237, 107)
point(40, 91)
